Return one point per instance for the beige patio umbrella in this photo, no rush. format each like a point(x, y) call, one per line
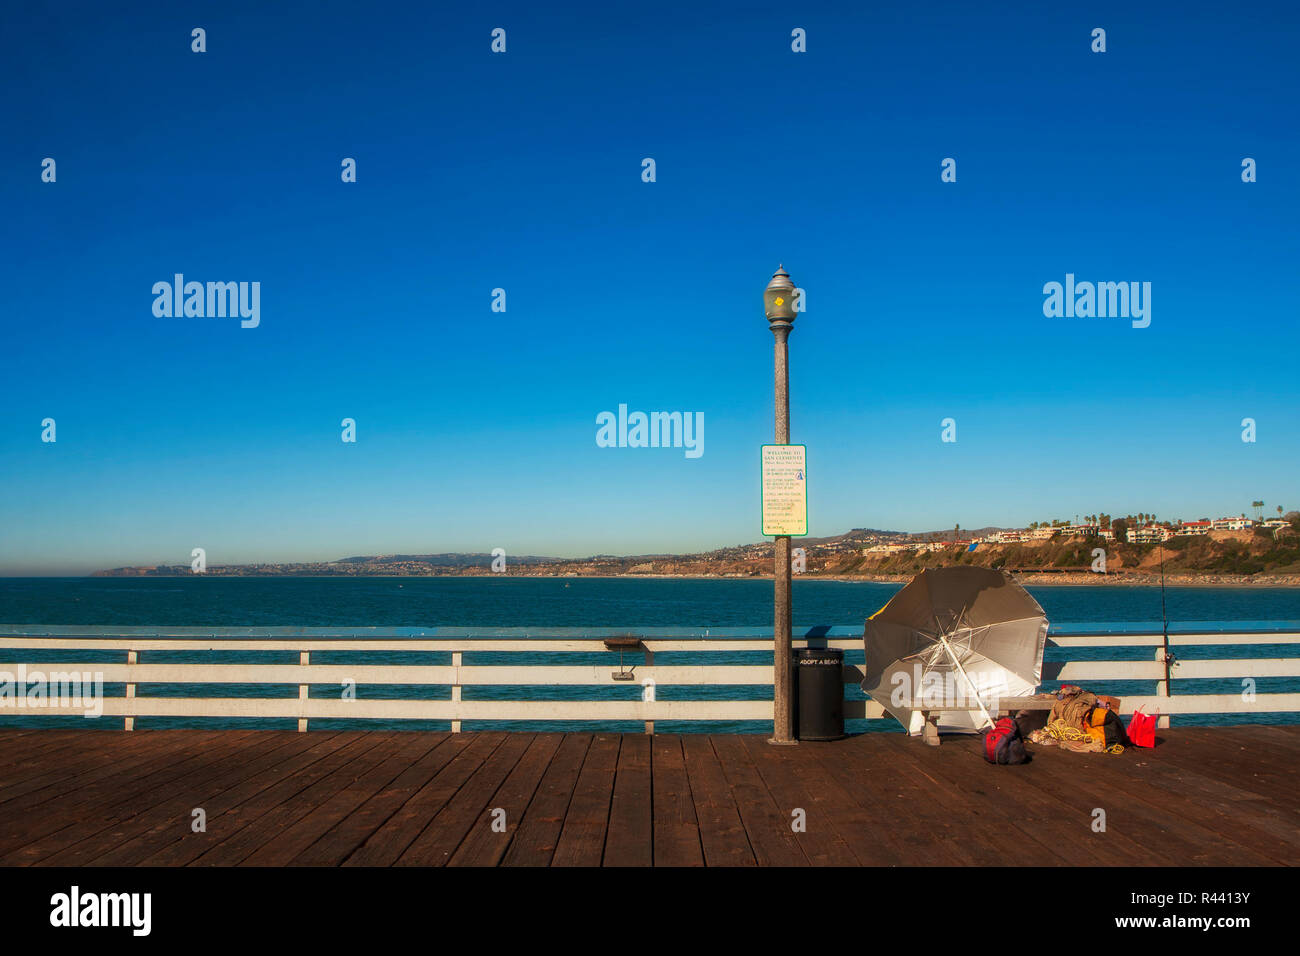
point(954, 641)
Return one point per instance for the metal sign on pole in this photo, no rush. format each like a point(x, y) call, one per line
point(785, 490)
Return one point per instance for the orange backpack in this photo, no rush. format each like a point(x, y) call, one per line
point(1104, 726)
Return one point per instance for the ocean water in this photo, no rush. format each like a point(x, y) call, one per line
point(565, 602)
point(595, 602)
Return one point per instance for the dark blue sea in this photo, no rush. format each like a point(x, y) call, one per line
point(564, 602)
point(603, 602)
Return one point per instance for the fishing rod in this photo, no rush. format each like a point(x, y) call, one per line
point(1165, 618)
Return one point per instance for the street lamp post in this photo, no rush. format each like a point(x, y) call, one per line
point(778, 303)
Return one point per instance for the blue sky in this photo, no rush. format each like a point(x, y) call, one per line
point(522, 171)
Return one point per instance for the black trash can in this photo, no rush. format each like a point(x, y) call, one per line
point(819, 693)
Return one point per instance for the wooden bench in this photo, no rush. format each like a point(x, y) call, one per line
point(1006, 707)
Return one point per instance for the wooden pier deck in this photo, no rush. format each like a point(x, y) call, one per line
point(1225, 796)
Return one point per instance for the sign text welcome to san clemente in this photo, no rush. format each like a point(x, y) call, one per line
point(785, 490)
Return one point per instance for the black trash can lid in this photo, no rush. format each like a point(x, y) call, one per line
point(818, 655)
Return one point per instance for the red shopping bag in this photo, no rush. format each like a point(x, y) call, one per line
point(1142, 728)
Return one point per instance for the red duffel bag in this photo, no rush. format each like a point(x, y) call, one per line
point(1142, 728)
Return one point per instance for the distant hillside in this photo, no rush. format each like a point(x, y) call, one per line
point(445, 560)
point(1259, 555)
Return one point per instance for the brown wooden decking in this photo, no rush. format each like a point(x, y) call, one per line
point(1205, 796)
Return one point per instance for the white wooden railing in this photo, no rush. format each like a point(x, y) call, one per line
point(636, 649)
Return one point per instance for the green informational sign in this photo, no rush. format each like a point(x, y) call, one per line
point(785, 490)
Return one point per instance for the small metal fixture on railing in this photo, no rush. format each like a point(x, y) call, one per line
point(622, 644)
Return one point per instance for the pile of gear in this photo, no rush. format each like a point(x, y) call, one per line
point(1082, 722)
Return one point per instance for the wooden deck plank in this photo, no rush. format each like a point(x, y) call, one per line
point(1238, 760)
point(35, 748)
point(676, 827)
point(84, 839)
point(16, 733)
point(471, 806)
point(820, 819)
point(1222, 785)
point(1288, 737)
point(103, 784)
point(19, 754)
point(486, 844)
point(1034, 831)
point(148, 774)
point(920, 799)
point(538, 835)
point(873, 841)
point(270, 825)
point(60, 775)
point(1231, 805)
point(866, 777)
point(582, 835)
point(233, 808)
point(722, 833)
point(342, 839)
point(630, 840)
point(1093, 781)
point(1273, 748)
point(866, 772)
point(1182, 794)
point(387, 843)
point(767, 824)
point(151, 774)
point(40, 766)
point(1206, 795)
point(1068, 808)
point(169, 822)
point(391, 757)
point(998, 812)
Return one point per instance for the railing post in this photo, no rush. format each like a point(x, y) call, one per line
point(649, 662)
point(455, 687)
point(132, 657)
point(304, 658)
